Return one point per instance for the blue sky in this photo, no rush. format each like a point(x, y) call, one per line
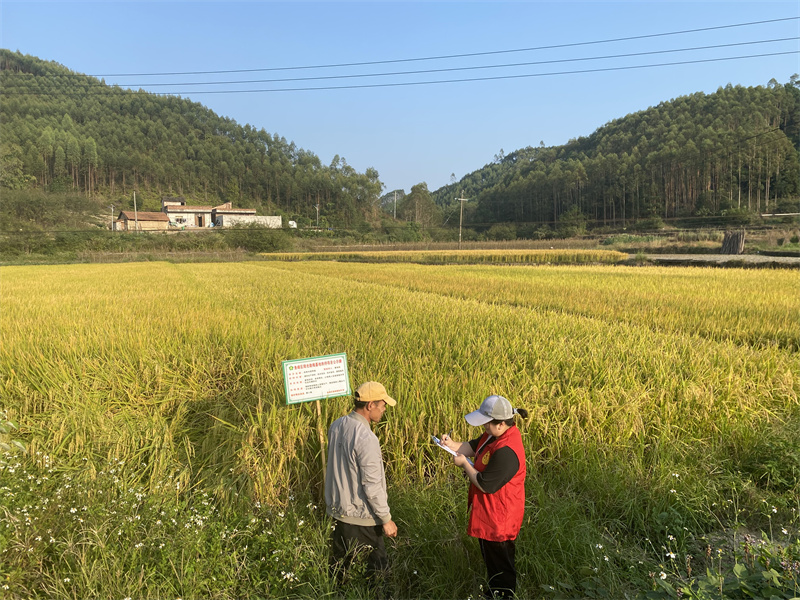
point(413, 133)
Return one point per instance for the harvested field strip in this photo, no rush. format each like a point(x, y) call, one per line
point(451, 257)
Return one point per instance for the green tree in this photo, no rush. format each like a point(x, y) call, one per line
point(73, 157)
point(418, 207)
point(90, 162)
point(571, 224)
point(12, 173)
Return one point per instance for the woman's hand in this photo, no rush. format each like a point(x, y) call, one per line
point(460, 460)
point(448, 441)
point(460, 447)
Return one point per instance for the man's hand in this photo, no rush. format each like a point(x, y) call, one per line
point(390, 529)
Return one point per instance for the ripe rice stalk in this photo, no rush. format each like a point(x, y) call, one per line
point(630, 368)
point(755, 307)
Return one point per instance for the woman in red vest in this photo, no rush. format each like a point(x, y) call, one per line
point(497, 488)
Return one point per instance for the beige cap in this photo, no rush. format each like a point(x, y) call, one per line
point(372, 391)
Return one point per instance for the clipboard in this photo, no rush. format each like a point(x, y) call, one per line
point(439, 443)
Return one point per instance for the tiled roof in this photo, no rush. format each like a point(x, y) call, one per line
point(143, 216)
point(187, 208)
point(236, 211)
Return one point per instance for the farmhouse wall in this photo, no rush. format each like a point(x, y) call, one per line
point(172, 201)
point(232, 220)
point(189, 216)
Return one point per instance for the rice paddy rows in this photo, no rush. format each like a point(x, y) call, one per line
point(744, 306)
point(209, 331)
point(175, 370)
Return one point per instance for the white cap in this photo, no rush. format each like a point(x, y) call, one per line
point(493, 407)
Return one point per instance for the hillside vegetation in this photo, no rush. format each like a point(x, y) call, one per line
point(703, 155)
point(718, 159)
point(64, 131)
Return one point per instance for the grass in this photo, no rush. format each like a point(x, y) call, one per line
point(664, 403)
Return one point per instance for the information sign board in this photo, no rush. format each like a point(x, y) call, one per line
point(317, 378)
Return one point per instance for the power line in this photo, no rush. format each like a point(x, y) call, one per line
point(472, 68)
point(494, 78)
point(451, 56)
point(115, 89)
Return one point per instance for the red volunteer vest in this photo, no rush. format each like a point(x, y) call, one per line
point(498, 517)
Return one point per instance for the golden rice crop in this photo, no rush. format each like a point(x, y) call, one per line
point(662, 401)
point(178, 367)
point(755, 307)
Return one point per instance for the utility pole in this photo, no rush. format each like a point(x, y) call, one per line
point(136, 214)
point(395, 204)
point(317, 215)
point(112, 217)
point(461, 218)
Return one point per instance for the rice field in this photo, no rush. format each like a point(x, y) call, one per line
point(455, 257)
point(162, 460)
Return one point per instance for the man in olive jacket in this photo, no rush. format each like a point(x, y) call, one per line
point(355, 483)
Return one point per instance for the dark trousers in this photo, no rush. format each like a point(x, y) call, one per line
point(499, 559)
point(348, 541)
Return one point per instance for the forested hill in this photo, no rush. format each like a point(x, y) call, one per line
point(731, 151)
point(73, 132)
point(735, 150)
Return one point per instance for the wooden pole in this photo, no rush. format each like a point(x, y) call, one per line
point(321, 432)
point(135, 212)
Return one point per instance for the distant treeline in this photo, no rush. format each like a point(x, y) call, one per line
point(721, 155)
point(735, 150)
point(65, 131)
